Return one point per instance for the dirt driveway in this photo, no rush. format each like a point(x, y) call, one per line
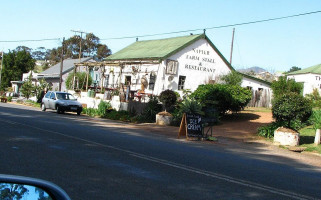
point(242, 126)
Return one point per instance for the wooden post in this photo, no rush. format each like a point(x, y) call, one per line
point(87, 70)
point(61, 64)
point(232, 46)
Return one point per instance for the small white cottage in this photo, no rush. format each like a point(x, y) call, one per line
point(310, 78)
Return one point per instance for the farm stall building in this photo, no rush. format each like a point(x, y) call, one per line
point(177, 63)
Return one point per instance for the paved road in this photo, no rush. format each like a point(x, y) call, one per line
point(92, 160)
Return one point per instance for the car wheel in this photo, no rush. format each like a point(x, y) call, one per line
point(78, 112)
point(43, 107)
point(58, 109)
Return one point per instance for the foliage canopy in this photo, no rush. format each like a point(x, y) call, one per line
point(232, 78)
point(223, 97)
point(81, 77)
point(290, 107)
point(15, 63)
point(285, 85)
point(168, 98)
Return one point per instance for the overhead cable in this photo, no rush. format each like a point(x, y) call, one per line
point(216, 27)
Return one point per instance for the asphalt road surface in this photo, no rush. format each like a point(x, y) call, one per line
point(90, 159)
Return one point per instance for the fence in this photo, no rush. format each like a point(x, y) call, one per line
point(261, 98)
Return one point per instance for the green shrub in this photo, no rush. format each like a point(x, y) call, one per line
point(168, 98)
point(118, 115)
point(90, 112)
point(222, 97)
point(232, 78)
point(191, 105)
point(9, 99)
point(315, 98)
point(103, 108)
point(268, 130)
point(283, 85)
point(290, 108)
point(315, 119)
point(82, 79)
point(149, 113)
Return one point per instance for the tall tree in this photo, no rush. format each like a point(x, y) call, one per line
point(294, 68)
point(39, 53)
point(15, 63)
point(23, 48)
point(90, 46)
point(103, 51)
point(27, 88)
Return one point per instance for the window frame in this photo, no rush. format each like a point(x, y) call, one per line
point(181, 82)
point(171, 67)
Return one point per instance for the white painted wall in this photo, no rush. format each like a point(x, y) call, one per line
point(254, 84)
point(310, 81)
point(198, 62)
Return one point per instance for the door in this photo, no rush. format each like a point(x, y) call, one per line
point(52, 101)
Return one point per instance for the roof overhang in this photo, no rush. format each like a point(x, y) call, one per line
point(118, 63)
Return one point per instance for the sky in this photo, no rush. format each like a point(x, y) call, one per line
point(275, 45)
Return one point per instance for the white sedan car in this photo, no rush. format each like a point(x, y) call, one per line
point(61, 101)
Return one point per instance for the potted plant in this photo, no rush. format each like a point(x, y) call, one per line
point(168, 98)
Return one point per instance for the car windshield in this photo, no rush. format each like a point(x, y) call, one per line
point(65, 96)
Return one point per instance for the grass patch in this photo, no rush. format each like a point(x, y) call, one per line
point(29, 103)
point(307, 135)
point(312, 148)
point(257, 109)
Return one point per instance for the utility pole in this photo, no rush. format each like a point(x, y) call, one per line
point(75, 70)
point(61, 63)
point(81, 32)
point(1, 66)
point(232, 46)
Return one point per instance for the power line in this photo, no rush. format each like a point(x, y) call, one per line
point(183, 31)
point(39, 40)
point(217, 27)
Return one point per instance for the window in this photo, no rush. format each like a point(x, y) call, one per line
point(52, 95)
point(106, 82)
point(48, 95)
point(128, 80)
point(181, 82)
point(152, 80)
point(171, 67)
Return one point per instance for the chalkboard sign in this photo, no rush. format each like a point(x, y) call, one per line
point(194, 125)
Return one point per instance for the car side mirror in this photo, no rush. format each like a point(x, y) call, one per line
point(29, 188)
point(53, 98)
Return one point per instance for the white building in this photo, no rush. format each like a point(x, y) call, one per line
point(52, 75)
point(178, 63)
point(310, 78)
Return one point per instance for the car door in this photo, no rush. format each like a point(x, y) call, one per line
point(45, 100)
point(52, 101)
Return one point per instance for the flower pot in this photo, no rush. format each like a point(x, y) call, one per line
point(164, 120)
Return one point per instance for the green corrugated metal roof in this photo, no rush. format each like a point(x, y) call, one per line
point(316, 69)
point(154, 49)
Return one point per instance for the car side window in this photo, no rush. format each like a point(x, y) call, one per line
point(52, 96)
point(48, 95)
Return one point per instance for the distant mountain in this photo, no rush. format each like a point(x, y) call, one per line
point(256, 70)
